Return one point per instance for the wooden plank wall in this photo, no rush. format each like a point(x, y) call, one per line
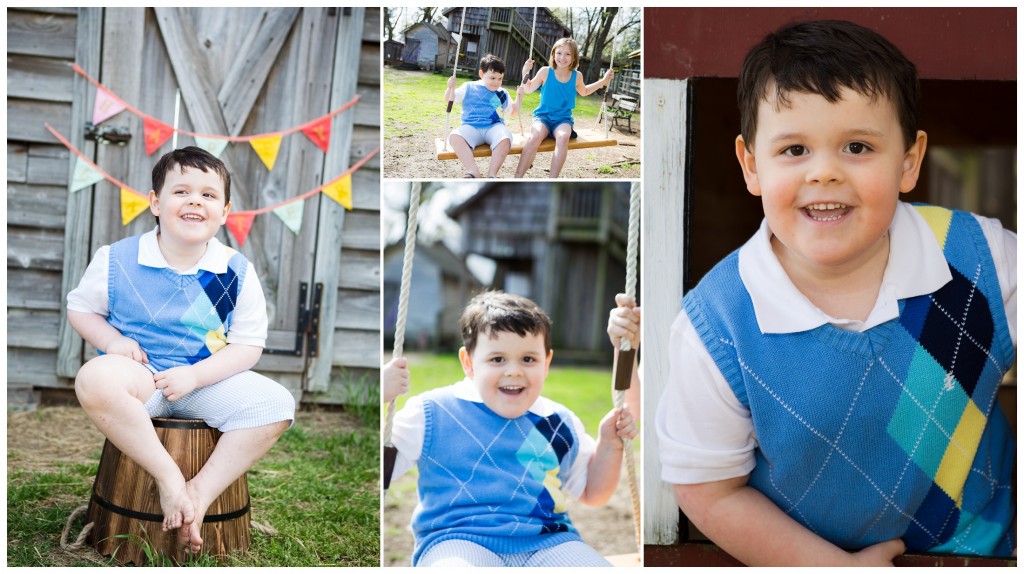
point(40, 45)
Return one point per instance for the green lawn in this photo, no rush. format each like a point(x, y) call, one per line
point(415, 102)
point(318, 487)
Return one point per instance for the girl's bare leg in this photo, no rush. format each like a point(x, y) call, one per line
point(562, 133)
point(537, 134)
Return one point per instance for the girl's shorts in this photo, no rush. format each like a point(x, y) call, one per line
point(552, 125)
point(245, 400)
point(491, 136)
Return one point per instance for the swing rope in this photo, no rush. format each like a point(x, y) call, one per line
point(403, 308)
point(529, 56)
point(455, 70)
point(624, 359)
point(608, 89)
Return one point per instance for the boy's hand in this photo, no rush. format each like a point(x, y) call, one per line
point(395, 379)
point(520, 90)
point(880, 554)
point(176, 382)
point(618, 424)
point(127, 347)
point(624, 322)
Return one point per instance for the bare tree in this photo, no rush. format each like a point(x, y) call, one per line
point(427, 14)
point(391, 19)
point(594, 69)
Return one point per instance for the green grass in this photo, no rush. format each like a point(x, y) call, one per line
point(414, 101)
point(585, 391)
point(318, 487)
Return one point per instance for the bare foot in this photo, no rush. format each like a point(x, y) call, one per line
point(191, 536)
point(176, 504)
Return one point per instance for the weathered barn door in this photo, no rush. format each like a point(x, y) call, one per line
point(240, 72)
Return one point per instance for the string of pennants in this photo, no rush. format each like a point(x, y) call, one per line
point(239, 223)
point(156, 132)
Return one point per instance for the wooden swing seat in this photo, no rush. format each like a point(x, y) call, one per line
point(585, 139)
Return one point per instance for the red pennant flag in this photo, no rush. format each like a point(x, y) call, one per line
point(320, 132)
point(239, 225)
point(157, 133)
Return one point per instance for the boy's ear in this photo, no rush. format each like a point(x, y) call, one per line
point(467, 362)
point(912, 161)
point(547, 363)
point(227, 210)
point(154, 203)
point(749, 166)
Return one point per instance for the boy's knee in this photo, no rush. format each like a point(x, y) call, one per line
point(107, 374)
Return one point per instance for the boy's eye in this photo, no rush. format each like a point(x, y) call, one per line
point(795, 150)
point(857, 148)
point(529, 360)
point(497, 359)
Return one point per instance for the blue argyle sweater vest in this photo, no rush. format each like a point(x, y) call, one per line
point(480, 105)
point(176, 319)
point(491, 480)
point(890, 433)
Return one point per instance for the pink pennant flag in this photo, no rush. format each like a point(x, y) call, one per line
point(320, 132)
point(157, 133)
point(132, 204)
point(340, 190)
point(107, 105)
point(239, 225)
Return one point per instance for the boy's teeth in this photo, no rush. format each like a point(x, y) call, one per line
point(826, 211)
point(822, 206)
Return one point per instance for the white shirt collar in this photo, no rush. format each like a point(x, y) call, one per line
point(916, 267)
point(467, 391)
point(215, 260)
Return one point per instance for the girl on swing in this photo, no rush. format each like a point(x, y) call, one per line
point(559, 83)
point(496, 460)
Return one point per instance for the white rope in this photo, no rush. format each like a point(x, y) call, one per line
point(632, 242)
point(529, 56)
point(403, 297)
point(455, 70)
point(611, 65)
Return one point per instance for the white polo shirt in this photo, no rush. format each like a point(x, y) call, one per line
point(704, 433)
point(249, 319)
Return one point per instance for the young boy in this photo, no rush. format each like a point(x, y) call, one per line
point(496, 459)
point(179, 318)
point(832, 392)
point(480, 122)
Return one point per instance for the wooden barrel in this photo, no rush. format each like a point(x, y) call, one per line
point(125, 503)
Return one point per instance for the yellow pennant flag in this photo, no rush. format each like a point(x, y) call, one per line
point(132, 204)
point(267, 148)
point(340, 190)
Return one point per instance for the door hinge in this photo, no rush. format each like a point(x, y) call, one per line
point(308, 328)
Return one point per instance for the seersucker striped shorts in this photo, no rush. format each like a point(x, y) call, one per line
point(245, 400)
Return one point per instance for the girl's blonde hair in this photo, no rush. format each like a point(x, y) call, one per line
point(572, 46)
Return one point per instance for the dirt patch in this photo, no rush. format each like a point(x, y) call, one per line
point(609, 528)
point(409, 150)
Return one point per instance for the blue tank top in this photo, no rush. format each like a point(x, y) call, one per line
point(557, 99)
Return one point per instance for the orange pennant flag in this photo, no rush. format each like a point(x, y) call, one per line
point(320, 133)
point(157, 133)
point(239, 225)
point(267, 148)
point(132, 204)
point(340, 190)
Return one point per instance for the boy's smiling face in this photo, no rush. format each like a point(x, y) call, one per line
point(829, 176)
point(507, 370)
point(191, 206)
point(492, 80)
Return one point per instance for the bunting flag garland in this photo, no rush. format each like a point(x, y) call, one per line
point(132, 204)
point(107, 106)
point(291, 215)
point(84, 176)
point(214, 146)
point(340, 190)
point(239, 223)
point(157, 132)
point(267, 148)
point(319, 133)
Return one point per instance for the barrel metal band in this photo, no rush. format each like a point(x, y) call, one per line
point(159, 517)
point(187, 424)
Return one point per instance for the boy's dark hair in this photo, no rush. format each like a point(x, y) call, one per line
point(192, 157)
point(495, 312)
point(823, 57)
point(492, 63)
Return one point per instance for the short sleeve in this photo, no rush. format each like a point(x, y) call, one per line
point(460, 93)
point(1002, 243)
point(249, 321)
point(704, 433)
point(575, 479)
point(407, 435)
point(91, 294)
